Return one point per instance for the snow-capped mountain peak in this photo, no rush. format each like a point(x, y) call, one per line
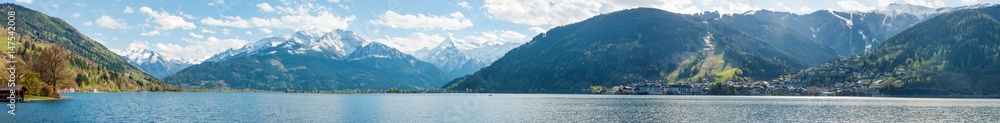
point(336, 44)
point(458, 58)
point(446, 43)
point(309, 34)
point(895, 9)
point(378, 50)
point(142, 56)
point(156, 64)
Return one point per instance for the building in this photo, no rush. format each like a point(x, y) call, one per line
point(19, 91)
point(648, 88)
point(679, 89)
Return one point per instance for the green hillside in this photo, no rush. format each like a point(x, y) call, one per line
point(630, 46)
point(56, 57)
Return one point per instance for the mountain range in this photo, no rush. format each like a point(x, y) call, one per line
point(154, 63)
point(311, 60)
point(629, 46)
point(955, 52)
point(462, 58)
point(645, 45)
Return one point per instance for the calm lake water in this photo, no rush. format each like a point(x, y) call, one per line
point(282, 107)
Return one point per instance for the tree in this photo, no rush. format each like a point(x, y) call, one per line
point(81, 79)
point(52, 66)
point(596, 89)
point(30, 80)
point(393, 90)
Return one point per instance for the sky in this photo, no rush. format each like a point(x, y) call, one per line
point(196, 30)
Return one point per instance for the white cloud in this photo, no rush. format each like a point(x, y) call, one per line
point(455, 21)
point(150, 33)
point(333, 1)
point(413, 42)
point(932, 3)
point(187, 16)
point(265, 30)
point(196, 35)
point(734, 7)
point(196, 49)
point(88, 23)
point(225, 31)
point(55, 6)
point(542, 12)
point(322, 21)
point(345, 7)
point(782, 5)
point(883, 3)
point(129, 10)
point(229, 21)
point(166, 20)
point(134, 45)
point(464, 4)
point(300, 8)
point(76, 14)
point(294, 15)
point(853, 5)
point(679, 6)
point(249, 33)
point(207, 31)
point(805, 9)
point(265, 7)
point(497, 36)
point(511, 35)
point(79, 4)
point(537, 29)
point(216, 2)
point(419, 40)
point(970, 2)
point(111, 23)
point(24, 1)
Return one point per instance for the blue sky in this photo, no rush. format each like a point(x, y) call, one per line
point(198, 29)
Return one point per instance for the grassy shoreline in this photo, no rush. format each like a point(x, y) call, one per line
point(33, 98)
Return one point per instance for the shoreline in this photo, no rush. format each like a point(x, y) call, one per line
point(890, 96)
point(40, 98)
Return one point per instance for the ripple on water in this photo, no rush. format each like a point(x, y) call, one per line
point(282, 107)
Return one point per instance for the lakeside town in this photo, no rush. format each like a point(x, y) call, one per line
point(829, 79)
point(837, 78)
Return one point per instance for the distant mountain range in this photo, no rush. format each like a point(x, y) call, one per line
point(311, 60)
point(847, 33)
point(956, 52)
point(154, 63)
point(631, 46)
point(462, 58)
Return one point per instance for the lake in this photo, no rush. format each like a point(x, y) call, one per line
point(297, 107)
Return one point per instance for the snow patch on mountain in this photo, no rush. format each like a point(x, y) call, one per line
point(337, 44)
point(850, 24)
point(896, 9)
point(708, 42)
point(153, 63)
point(457, 58)
point(145, 56)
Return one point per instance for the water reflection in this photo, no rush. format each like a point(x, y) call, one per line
point(282, 107)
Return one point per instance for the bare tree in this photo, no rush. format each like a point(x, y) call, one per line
point(52, 66)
